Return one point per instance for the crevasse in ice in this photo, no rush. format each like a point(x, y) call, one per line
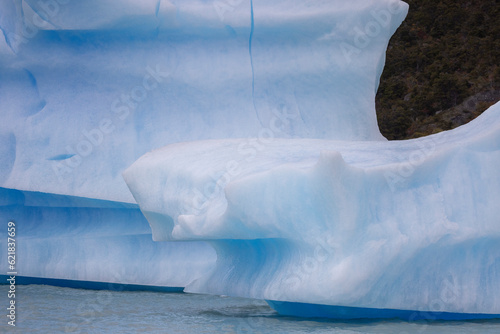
point(275, 182)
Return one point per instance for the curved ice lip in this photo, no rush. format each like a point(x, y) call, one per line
point(201, 186)
point(327, 222)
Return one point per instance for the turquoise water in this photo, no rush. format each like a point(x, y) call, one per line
point(48, 309)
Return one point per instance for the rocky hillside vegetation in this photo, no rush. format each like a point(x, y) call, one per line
point(442, 68)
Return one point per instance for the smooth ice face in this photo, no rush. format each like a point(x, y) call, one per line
point(403, 225)
point(72, 238)
point(87, 87)
point(84, 95)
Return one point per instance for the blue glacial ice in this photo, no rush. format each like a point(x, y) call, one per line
point(266, 177)
point(60, 237)
point(407, 225)
point(139, 76)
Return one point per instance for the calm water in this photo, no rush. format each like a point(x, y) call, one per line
point(47, 309)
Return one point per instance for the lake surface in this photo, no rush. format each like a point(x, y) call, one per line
point(48, 309)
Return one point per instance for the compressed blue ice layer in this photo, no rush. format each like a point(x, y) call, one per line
point(65, 238)
point(403, 225)
point(91, 285)
point(345, 312)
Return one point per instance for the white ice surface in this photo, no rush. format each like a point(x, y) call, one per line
point(410, 225)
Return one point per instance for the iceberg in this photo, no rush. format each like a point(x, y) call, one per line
point(232, 148)
point(80, 242)
point(404, 225)
point(85, 95)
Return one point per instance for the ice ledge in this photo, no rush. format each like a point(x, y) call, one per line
point(382, 225)
point(204, 194)
point(41, 199)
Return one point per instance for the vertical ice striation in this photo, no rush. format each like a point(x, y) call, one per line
point(141, 75)
point(251, 57)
